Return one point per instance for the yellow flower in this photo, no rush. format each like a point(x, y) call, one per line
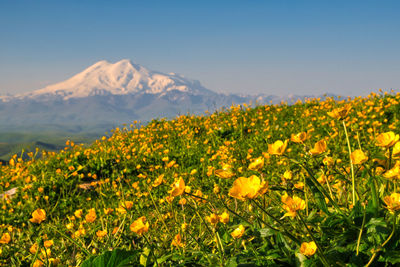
point(108, 211)
point(238, 232)
point(216, 189)
point(37, 263)
point(308, 248)
point(387, 139)
point(177, 242)
point(100, 234)
point(339, 113)
point(328, 161)
point(48, 243)
point(277, 148)
point(248, 187)
point(69, 226)
point(257, 164)
point(358, 157)
point(121, 210)
point(38, 216)
point(78, 213)
point(128, 204)
point(225, 173)
point(319, 148)
point(159, 180)
point(171, 164)
point(91, 216)
point(292, 205)
point(139, 226)
point(396, 151)
point(298, 138)
point(299, 185)
point(178, 187)
point(33, 249)
point(224, 217)
point(287, 175)
point(213, 218)
point(393, 173)
point(392, 202)
point(5, 238)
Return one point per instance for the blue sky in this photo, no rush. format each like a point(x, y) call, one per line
point(273, 47)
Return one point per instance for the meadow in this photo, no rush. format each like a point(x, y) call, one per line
point(309, 184)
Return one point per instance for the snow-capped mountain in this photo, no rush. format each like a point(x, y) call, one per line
point(120, 78)
point(106, 95)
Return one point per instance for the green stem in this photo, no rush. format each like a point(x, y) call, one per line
point(320, 188)
point(353, 186)
point(293, 238)
point(361, 230)
point(158, 212)
point(73, 241)
point(319, 250)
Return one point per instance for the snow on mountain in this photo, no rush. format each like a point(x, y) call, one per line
point(120, 78)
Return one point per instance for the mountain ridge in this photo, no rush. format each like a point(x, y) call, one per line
point(122, 77)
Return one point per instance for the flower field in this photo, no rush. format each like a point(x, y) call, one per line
point(310, 184)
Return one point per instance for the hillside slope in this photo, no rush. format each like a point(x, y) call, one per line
point(234, 187)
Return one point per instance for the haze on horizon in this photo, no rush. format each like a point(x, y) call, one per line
point(280, 47)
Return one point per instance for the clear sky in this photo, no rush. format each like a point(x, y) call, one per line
point(345, 47)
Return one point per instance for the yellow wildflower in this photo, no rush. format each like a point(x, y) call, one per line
point(358, 157)
point(91, 216)
point(257, 164)
point(213, 218)
point(5, 238)
point(100, 234)
point(78, 213)
point(238, 232)
point(298, 138)
point(178, 187)
point(38, 216)
point(224, 217)
point(396, 150)
point(139, 226)
point(277, 148)
point(339, 113)
point(387, 139)
point(319, 148)
point(225, 173)
point(308, 248)
point(48, 243)
point(248, 187)
point(292, 205)
point(33, 249)
point(177, 242)
point(159, 180)
point(392, 202)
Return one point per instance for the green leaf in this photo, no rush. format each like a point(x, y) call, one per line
point(144, 256)
point(392, 256)
point(232, 262)
point(266, 232)
point(117, 258)
point(318, 196)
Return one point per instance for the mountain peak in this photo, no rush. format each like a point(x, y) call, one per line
point(122, 77)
